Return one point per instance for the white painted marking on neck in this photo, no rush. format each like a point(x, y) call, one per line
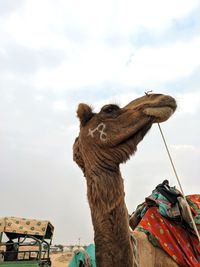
point(100, 128)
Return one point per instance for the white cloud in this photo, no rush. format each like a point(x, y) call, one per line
point(154, 65)
point(153, 15)
point(189, 102)
point(95, 64)
point(150, 66)
point(185, 148)
point(60, 105)
point(47, 25)
point(92, 60)
point(39, 98)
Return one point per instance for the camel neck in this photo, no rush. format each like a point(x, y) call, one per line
point(105, 191)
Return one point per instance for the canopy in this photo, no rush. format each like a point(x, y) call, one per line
point(14, 227)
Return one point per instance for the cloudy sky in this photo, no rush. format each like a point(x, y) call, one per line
point(56, 54)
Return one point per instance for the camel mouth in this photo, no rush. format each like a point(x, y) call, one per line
point(157, 106)
point(161, 113)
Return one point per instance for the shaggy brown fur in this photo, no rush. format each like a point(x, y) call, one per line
point(107, 139)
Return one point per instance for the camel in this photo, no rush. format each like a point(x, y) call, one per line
point(105, 140)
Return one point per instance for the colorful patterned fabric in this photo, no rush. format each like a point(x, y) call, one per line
point(165, 207)
point(172, 237)
point(194, 202)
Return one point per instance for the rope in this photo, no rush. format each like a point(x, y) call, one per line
point(175, 172)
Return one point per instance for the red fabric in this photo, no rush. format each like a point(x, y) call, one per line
point(172, 237)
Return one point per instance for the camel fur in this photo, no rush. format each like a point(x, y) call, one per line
point(105, 140)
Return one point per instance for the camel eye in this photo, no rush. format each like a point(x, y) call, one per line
point(110, 108)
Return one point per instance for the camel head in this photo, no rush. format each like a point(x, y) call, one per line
point(110, 137)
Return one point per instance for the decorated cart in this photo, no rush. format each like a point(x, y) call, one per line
point(25, 242)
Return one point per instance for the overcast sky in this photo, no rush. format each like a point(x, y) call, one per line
point(56, 54)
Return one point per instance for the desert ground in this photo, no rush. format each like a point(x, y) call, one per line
point(61, 259)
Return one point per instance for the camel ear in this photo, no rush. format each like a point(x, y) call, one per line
point(84, 113)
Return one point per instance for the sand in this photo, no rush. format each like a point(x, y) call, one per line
point(61, 259)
